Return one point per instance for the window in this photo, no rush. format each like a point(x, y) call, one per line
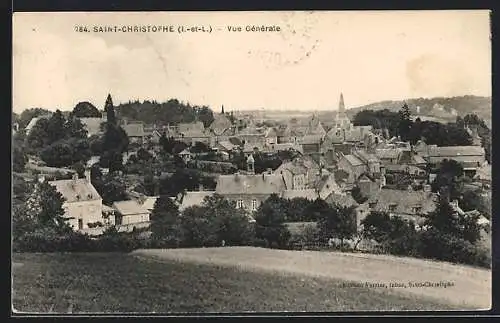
point(392, 207)
point(239, 204)
point(80, 224)
point(254, 205)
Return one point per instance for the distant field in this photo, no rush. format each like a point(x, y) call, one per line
point(121, 283)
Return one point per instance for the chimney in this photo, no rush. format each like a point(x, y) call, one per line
point(87, 174)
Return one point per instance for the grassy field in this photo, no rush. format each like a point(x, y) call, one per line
point(123, 283)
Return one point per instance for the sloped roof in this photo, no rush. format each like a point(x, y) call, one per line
point(403, 200)
point(343, 200)
point(309, 194)
point(34, 120)
point(76, 190)
point(250, 184)
point(451, 151)
point(93, 125)
point(193, 126)
point(418, 159)
point(387, 153)
point(130, 207)
point(353, 160)
point(194, 198)
point(227, 145)
point(134, 129)
point(220, 124)
point(366, 157)
point(311, 139)
point(149, 202)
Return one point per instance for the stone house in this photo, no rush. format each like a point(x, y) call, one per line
point(249, 191)
point(82, 203)
point(131, 212)
point(134, 131)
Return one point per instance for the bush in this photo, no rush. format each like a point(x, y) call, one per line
point(42, 241)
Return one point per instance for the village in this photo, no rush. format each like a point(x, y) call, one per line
point(337, 163)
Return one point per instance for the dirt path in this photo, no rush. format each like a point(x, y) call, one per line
point(467, 287)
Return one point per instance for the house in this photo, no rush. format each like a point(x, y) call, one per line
point(470, 157)
point(93, 125)
point(372, 163)
point(300, 173)
point(82, 203)
point(134, 131)
point(352, 165)
point(311, 144)
point(191, 133)
point(410, 205)
point(130, 212)
point(249, 191)
point(193, 198)
point(411, 170)
point(315, 127)
point(271, 136)
point(368, 186)
point(326, 185)
point(346, 200)
point(388, 156)
point(220, 125)
point(309, 194)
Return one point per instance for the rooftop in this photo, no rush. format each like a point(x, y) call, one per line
point(250, 184)
point(76, 190)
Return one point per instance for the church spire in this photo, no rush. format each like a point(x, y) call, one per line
point(341, 103)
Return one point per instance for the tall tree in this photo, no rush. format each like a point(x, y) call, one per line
point(270, 218)
point(74, 128)
point(56, 127)
point(405, 122)
point(164, 219)
point(110, 110)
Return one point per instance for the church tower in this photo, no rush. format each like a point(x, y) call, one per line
point(342, 121)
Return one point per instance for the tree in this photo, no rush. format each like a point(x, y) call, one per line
point(44, 207)
point(164, 219)
point(86, 110)
point(449, 179)
point(231, 224)
point(28, 114)
point(405, 122)
point(74, 128)
point(66, 152)
point(270, 218)
point(358, 196)
point(56, 127)
point(196, 229)
point(451, 236)
point(338, 222)
point(110, 111)
point(111, 187)
point(38, 137)
point(19, 159)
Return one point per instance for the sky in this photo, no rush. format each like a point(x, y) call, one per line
point(368, 56)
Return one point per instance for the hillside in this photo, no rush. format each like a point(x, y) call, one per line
point(471, 287)
point(440, 108)
point(120, 283)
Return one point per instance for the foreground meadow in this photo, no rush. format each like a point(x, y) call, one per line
point(124, 283)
